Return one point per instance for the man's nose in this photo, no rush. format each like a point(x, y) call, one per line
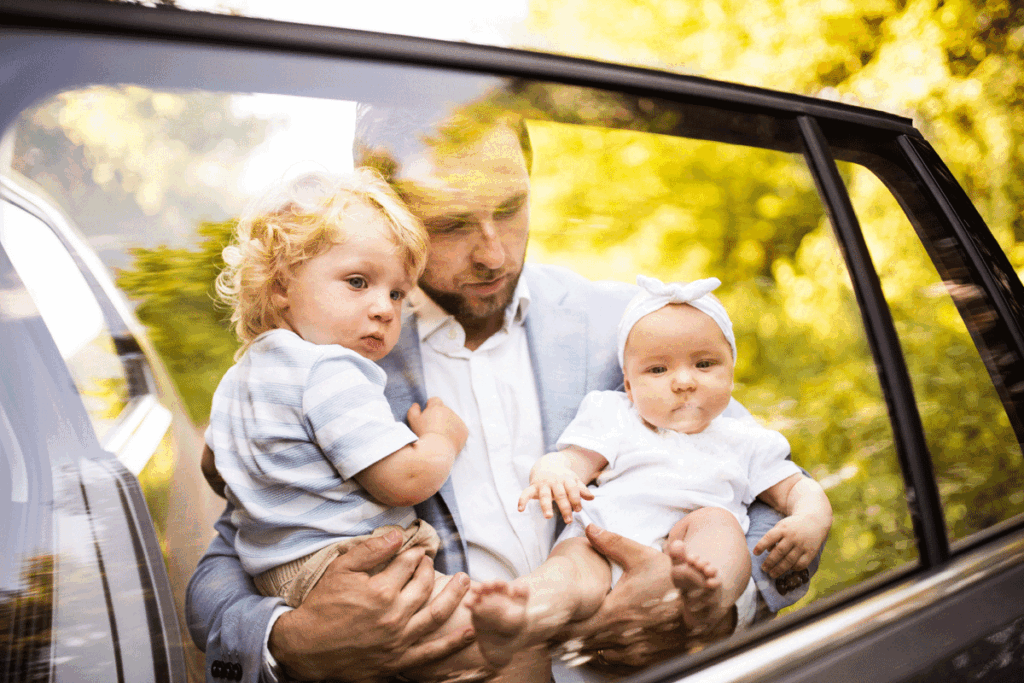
point(489, 251)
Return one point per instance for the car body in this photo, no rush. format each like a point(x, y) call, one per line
point(950, 607)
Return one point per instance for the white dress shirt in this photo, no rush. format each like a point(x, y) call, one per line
point(492, 389)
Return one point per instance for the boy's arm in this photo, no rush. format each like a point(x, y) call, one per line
point(796, 539)
point(416, 471)
point(562, 476)
point(208, 465)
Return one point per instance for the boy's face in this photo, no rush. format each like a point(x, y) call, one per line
point(352, 293)
point(678, 369)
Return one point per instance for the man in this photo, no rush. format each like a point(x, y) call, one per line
point(512, 350)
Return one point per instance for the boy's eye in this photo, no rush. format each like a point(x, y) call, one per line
point(357, 282)
point(397, 295)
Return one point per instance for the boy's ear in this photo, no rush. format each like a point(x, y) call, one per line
point(279, 296)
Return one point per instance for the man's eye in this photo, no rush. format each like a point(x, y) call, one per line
point(357, 282)
point(446, 226)
point(508, 211)
point(397, 295)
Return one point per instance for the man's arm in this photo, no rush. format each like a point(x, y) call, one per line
point(352, 626)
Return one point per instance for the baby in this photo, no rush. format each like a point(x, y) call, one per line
point(672, 472)
point(313, 459)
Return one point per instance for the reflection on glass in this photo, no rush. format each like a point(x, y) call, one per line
point(66, 303)
point(975, 453)
point(619, 186)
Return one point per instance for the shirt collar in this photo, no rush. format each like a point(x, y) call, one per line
point(430, 317)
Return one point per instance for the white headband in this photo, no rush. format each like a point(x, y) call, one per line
point(655, 294)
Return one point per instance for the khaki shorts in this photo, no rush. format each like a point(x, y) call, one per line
point(294, 580)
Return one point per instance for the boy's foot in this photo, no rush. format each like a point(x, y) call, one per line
point(701, 590)
point(499, 617)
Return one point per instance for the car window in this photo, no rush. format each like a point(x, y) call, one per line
point(71, 312)
point(975, 451)
point(621, 184)
point(617, 190)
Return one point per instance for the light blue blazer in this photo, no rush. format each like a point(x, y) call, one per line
point(571, 331)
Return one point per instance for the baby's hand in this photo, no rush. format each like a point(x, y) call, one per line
point(793, 542)
point(437, 418)
point(551, 478)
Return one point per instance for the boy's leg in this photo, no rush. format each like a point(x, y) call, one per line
point(710, 565)
point(512, 617)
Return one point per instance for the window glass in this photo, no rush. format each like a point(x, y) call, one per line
point(73, 316)
point(976, 456)
point(613, 203)
point(619, 186)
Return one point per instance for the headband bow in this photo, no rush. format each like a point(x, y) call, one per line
point(655, 294)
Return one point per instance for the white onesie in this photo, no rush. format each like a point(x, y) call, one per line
point(654, 478)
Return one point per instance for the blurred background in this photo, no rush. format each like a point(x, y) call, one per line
point(612, 203)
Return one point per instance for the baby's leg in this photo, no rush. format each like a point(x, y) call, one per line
point(527, 665)
point(710, 565)
point(512, 617)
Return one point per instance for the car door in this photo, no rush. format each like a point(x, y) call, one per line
point(86, 595)
point(848, 249)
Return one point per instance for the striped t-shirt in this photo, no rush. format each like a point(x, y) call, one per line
point(290, 425)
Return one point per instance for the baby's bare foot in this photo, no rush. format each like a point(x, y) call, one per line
point(698, 583)
point(499, 617)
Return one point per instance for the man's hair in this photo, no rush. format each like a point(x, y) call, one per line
point(387, 137)
point(295, 221)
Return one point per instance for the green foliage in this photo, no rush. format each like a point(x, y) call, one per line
point(177, 303)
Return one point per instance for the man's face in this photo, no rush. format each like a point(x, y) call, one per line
point(475, 206)
point(678, 369)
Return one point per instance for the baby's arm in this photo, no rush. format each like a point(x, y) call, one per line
point(563, 476)
point(795, 540)
point(416, 471)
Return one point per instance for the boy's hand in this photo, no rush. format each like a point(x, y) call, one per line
point(552, 478)
point(793, 542)
point(437, 418)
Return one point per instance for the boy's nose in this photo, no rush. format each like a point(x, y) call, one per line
point(381, 308)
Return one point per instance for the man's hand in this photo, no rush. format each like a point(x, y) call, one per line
point(353, 626)
point(552, 478)
point(793, 542)
point(639, 621)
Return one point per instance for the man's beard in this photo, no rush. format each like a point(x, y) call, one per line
point(469, 309)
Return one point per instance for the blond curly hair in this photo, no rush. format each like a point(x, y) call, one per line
point(294, 222)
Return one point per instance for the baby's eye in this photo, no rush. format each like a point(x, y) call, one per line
point(357, 282)
point(657, 370)
point(397, 295)
point(704, 364)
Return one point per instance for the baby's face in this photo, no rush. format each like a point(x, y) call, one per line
point(352, 293)
point(678, 369)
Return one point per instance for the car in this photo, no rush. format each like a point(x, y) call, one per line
point(880, 326)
